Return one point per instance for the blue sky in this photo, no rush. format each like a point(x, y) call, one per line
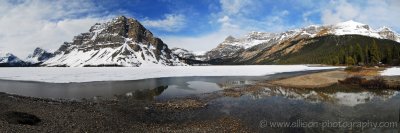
point(197, 25)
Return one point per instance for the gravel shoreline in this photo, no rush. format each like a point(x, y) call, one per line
point(122, 115)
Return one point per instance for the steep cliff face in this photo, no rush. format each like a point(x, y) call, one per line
point(119, 42)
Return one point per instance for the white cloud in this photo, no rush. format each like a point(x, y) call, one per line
point(201, 43)
point(224, 19)
point(227, 26)
point(233, 7)
point(340, 11)
point(276, 21)
point(197, 44)
point(171, 23)
point(207, 41)
point(233, 19)
point(226, 23)
point(230, 22)
point(46, 24)
point(376, 13)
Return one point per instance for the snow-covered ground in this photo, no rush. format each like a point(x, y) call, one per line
point(88, 74)
point(394, 71)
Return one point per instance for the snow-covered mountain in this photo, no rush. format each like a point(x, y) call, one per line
point(8, 59)
point(186, 54)
point(38, 56)
point(253, 43)
point(183, 53)
point(119, 42)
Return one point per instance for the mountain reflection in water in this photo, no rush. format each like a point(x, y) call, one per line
point(334, 95)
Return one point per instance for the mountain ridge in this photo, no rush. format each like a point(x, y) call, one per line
point(38, 56)
point(10, 60)
point(119, 42)
point(236, 50)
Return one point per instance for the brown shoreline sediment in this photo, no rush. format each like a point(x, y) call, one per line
point(328, 78)
point(314, 80)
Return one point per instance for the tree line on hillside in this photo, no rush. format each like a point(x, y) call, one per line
point(370, 54)
point(346, 50)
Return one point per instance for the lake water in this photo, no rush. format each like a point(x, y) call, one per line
point(255, 109)
point(170, 87)
point(303, 106)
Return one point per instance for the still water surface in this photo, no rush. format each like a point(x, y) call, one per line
point(268, 104)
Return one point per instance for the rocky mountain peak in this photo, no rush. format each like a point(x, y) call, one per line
point(230, 39)
point(183, 53)
point(8, 59)
point(38, 51)
point(351, 25)
point(4, 54)
point(39, 55)
point(121, 38)
point(384, 28)
point(259, 35)
point(387, 33)
point(115, 31)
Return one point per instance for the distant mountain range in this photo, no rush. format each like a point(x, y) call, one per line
point(125, 42)
point(311, 44)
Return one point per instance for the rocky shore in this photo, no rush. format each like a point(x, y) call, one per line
point(26, 114)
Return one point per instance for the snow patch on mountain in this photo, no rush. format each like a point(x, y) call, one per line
point(39, 55)
point(355, 28)
point(232, 46)
point(250, 40)
point(119, 42)
point(8, 58)
point(187, 54)
point(183, 53)
point(344, 28)
point(120, 56)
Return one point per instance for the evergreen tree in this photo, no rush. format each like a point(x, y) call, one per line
point(366, 54)
point(395, 52)
point(350, 60)
point(350, 50)
point(335, 60)
point(395, 55)
point(358, 53)
point(342, 55)
point(389, 56)
point(374, 54)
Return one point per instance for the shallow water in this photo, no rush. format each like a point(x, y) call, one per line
point(256, 109)
point(325, 107)
point(173, 87)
